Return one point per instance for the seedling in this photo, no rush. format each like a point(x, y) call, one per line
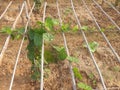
point(77, 73)
point(61, 53)
point(83, 86)
point(65, 27)
point(93, 46)
point(75, 28)
point(6, 30)
point(102, 29)
point(85, 28)
point(80, 84)
point(92, 77)
point(111, 27)
point(72, 59)
point(15, 34)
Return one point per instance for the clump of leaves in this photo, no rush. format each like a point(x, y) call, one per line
point(72, 59)
point(80, 84)
point(77, 73)
point(102, 29)
point(75, 28)
point(15, 34)
point(83, 86)
point(85, 28)
point(36, 35)
point(93, 46)
point(61, 53)
point(92, 77)
point(67, 28)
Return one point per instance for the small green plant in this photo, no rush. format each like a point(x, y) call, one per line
point(65, 27)
point(102, 30)
point(111, 27)
point(85, 28)
point(61, 53)
point(92, 77)
point(80, 84)
point(93, 46)
point(36, 35)
point(77, 73)
point(72, 59)
point(15, 34)
point(75, 28)
point(83, 86)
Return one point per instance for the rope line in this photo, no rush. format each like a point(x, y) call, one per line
point(20, 48)
point(91, 54)
point(99, 29)
point(106, 14)
point(67, 50)
point(5, 10)
point(112, 6)
point(9, 36)
point(42, 54)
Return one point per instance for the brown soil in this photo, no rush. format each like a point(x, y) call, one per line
point(59, 76)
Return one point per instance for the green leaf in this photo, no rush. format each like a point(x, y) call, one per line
point(58, 48)
point(102, 29)
point(77, 73)
point(21, 31)
point(38, 39)
point(48, 37)
point(62, 55)
point(49, 23)
point(31, 34)
point(91, 76)
point(6, 30)
point(55, 21)
point(49, 57)
point(83, 86)
point(75, 28)
point(35, 75)
point(93, 46)
point(17, 36)
point(40, 23)
point(61, 52)
point(73, 59)
point(30, 53)
point(65, 27)
point(84, 28)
